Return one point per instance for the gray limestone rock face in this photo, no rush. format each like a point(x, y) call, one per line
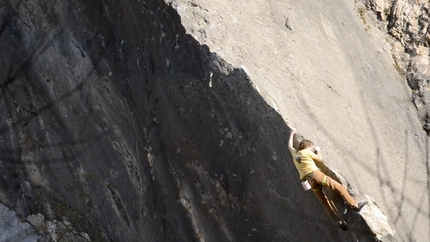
point(13, 229)
point(331, 72)
point(408, 23)
point(118, 125)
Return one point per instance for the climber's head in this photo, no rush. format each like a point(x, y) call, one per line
point(305, 144)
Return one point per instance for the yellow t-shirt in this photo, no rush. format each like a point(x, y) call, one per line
point(304, 162)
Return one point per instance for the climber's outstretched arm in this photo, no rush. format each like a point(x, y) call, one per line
point(291, 142)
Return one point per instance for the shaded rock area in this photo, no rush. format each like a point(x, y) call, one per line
point(119, 126)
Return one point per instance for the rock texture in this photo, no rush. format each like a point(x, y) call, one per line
point(408, 23)
point(12, 229)
point(328, 69)
point(123, 122)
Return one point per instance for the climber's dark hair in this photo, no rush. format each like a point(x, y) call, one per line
point(305, 144)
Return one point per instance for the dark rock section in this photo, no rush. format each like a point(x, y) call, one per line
point(119, 123)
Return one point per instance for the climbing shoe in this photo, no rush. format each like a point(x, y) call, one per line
point(342, 225)
point(360, 205)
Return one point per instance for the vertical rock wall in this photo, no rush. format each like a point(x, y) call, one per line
point(328, 69)
point(408, 23)
point(124, 128)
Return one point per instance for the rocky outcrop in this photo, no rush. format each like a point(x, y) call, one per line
point(408, 23)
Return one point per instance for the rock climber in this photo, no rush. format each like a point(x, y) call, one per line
point(311, 176)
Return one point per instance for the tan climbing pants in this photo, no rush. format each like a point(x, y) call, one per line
point(318, 179)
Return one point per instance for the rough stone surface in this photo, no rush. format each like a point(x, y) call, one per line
point(13, 229)
point(169, 120)
point(328, 69)
point(408, 23)
point(56, 230)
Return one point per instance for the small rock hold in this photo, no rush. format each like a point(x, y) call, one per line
point(288, 24)
point(229, 135)
point(37, 221)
